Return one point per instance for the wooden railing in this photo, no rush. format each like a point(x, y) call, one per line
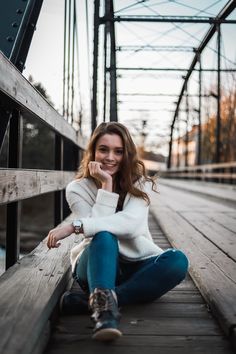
point(31, 286)
point(18, 99)
point(221, 172)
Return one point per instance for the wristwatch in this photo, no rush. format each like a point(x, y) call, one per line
point(77, 226)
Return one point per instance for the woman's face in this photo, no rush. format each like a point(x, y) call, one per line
point(109, 152)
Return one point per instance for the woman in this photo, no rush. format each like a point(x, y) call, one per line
point(117, 263)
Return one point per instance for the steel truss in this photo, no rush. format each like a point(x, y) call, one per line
point(224, 13)
point(110, 98)
point(109, 19)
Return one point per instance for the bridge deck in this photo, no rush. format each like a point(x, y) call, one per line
point(179, 322)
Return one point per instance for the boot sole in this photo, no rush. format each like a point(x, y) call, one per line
point(107, 334)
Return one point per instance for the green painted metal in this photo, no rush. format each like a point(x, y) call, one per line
point(11, 17)
point(18, 20)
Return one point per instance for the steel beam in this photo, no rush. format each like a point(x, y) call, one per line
point(171, 69)
point(186, 134)
point(95, 64)
point(228, 8)
point(17, 24)
point(113, 87)
point(218, 119)
point(199, 149)
point(159, 94)
point(105, 72)
point(159, 48)
point(167, 19)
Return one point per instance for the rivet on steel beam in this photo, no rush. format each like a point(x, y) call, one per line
point(10, 39)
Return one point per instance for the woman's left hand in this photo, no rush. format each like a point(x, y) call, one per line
point(58, 234)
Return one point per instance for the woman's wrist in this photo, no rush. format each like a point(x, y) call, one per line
point(107, 185)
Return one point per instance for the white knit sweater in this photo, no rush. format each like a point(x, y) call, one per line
point(96, 208)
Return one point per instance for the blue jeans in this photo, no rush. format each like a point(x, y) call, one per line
point(100, 266)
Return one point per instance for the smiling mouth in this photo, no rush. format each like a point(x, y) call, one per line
point(108, 165)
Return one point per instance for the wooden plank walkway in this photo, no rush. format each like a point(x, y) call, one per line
point(179, 322)
point(205, 229)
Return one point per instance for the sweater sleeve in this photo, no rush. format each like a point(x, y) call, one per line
point(125, 224)
point(82, 204)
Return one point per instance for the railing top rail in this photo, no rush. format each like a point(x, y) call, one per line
point(16, 87)
point(19, 184)
point(203, 167)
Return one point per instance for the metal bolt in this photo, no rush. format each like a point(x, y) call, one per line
point(10, 39)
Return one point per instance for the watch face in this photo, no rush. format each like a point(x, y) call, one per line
point(77, 223)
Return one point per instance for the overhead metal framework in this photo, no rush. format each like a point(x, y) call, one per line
point(225, 12)
point(116, 70)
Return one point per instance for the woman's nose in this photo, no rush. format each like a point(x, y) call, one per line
point(110, 155)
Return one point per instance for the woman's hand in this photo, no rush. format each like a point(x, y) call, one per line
point(101, 175)
point(58, 234)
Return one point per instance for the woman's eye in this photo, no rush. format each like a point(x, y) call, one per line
point(119, 152)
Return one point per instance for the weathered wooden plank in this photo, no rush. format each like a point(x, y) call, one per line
point(145, 326)
point(211, 269)
point(148, 326)
point(224, 219)
point(167, 309)
point(180, 201)
point(175, 296)
point(223, 238)
point(216, 191)
point(21, 184)
point(77, 343)
point(29, 291)
point(15, 86)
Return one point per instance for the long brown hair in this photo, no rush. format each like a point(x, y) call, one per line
point(131, 168)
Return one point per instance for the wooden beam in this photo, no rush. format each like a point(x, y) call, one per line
point(199, 175)
point(22, 184)
point(17, 88)
point(29, 292)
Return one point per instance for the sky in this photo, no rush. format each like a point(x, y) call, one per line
point(45, 61)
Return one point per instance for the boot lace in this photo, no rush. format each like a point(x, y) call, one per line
point(100, 301)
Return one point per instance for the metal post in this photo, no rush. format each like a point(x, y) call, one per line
point(186, 135)
point(73, 62)
point(14, 209)
point(218, 122)
point(178, 143)
point(95, 63)
point(64, 60)
point(105, 67)
point(5, 116)
point(59, 165)
point(199, 157)
point(113, 88)
point(68, 64)
point(170, 146)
